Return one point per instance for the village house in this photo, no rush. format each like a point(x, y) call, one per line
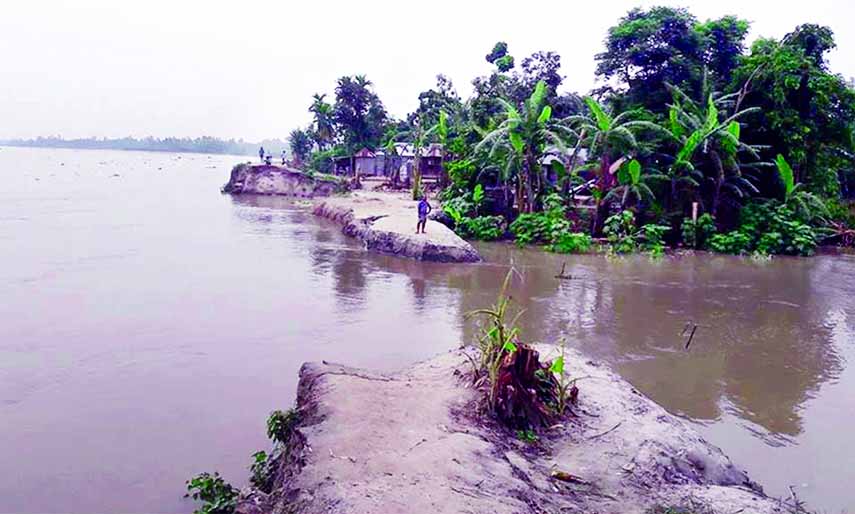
point(383, 164)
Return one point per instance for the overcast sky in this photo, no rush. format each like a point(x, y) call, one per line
point(248, 68)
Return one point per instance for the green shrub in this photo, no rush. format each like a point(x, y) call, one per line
point(530, 228)
point(840, 211)
point(797, 237)
point(280, 424)
point(485, 228)
point(734, 242)
point(217, 495)
point(770, 243)
point(542, 227)
point(696, 234)
point(653, 238)
point(572, 242)
point(621, 232)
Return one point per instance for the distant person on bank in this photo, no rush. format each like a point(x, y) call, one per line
point(261, 154)
point(283, 157)
point(424, 210)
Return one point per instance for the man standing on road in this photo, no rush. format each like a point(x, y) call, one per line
point(261, 154)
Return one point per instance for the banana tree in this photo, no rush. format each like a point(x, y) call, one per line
point(705, 140)
point(804, 203)
point(610, 139)
point(633, 183)
point(521, 140)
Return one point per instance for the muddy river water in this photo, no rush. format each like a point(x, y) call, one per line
point(148, 324)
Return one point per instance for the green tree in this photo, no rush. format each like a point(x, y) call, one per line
point(522, 139)
point(804, 203)
point(647, 49)
point(359, 115)
point(300, 142)
point(323, 129)
point(709, 145)
point(609, 139)
point(663, 45)
point(805, 112)
point(633, 184)
point(500, 57)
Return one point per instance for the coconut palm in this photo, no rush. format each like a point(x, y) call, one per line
point(323, 129)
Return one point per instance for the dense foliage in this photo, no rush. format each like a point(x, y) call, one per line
point(695, 140)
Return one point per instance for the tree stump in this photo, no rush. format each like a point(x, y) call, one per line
point(525, 390)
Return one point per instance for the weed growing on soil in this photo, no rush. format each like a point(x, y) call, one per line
point(522, 391)
point(527, 436)
point(566, 388)
point(261, 471)
point(279, 425)
point(217, 495)
point(220, 497)
point(498, 338)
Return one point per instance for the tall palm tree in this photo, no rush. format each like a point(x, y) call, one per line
point(522, 139)
point(324, 130)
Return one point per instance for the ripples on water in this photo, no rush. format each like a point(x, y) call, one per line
point(150, 324)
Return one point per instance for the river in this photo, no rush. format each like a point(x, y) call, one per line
point(149, 324)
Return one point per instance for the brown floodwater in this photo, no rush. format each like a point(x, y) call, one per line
point(149, 324)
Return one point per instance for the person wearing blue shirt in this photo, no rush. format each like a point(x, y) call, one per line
point(424, 210)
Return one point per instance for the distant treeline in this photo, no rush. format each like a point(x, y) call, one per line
point(169, 144)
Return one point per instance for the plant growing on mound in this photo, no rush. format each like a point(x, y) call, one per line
point(520, 392)
point(498, 338)
point(217, 495)
point(566, 388)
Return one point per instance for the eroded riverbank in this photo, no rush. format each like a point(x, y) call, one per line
point(385, 223)
point(414, 441)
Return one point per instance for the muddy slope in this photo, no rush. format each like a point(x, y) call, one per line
point(414, 443)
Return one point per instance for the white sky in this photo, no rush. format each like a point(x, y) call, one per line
point(248, 68)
